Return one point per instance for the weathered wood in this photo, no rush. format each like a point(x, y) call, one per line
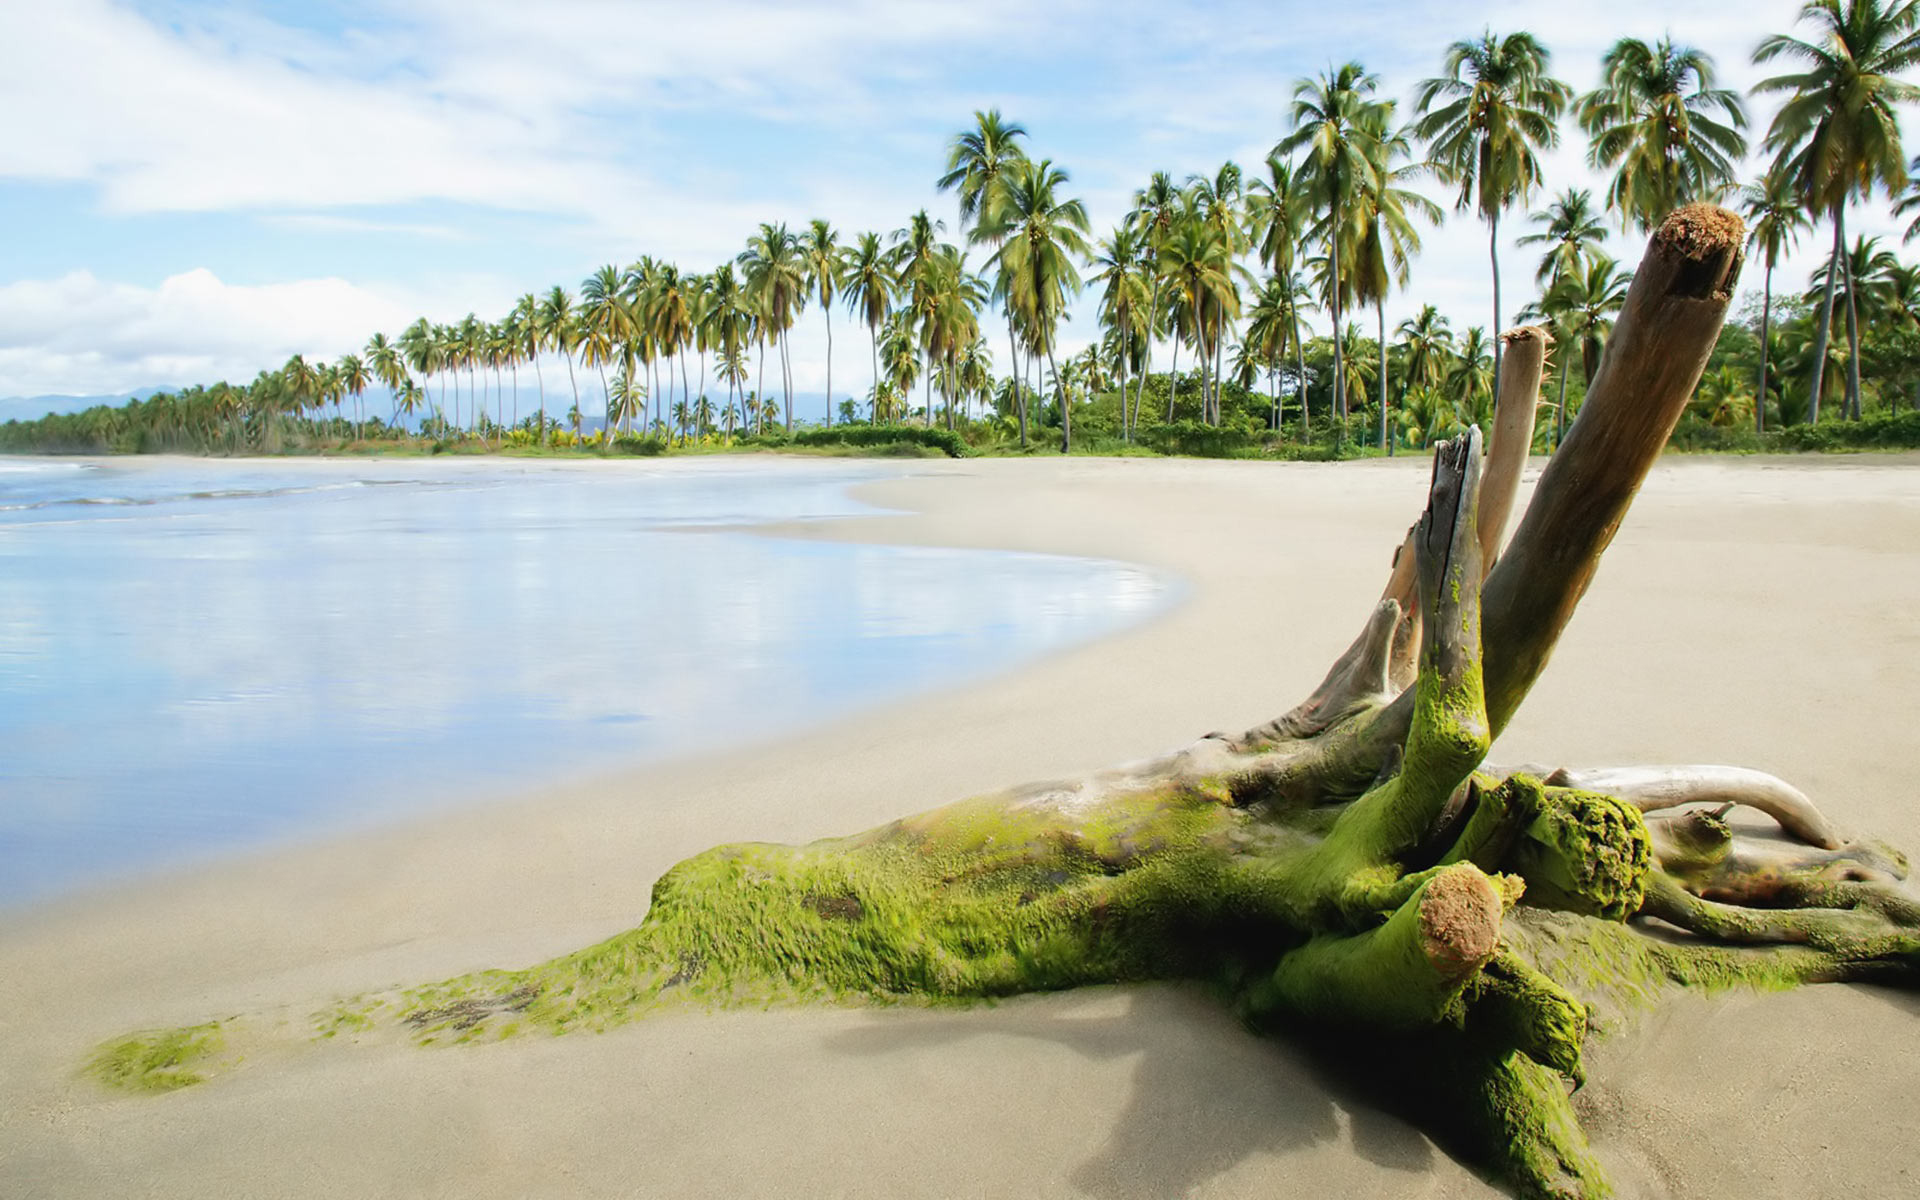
point(1653, 361)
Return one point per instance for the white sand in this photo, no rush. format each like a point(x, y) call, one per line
point(1760, 612)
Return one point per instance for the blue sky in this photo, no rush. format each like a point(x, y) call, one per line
point(194, 191)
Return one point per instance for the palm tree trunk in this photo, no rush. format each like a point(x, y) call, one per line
point(1300, 369)
point(1826, 322)
point(1146, 371)
point(1380, 313)
point(1766, 315)
point(575, 385)
point(760, 388)
point(683, 384)
point(1339, 350)
point(1853, 342)
point(1493, 252)
point(873, 407)
point(1173, 381)
point(826, 310)
point(786, 379)
point(1013, 371)
point(541, 378)
point(1066, 406)
point(1560, 406)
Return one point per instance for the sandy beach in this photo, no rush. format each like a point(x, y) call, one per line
point(1758, 612)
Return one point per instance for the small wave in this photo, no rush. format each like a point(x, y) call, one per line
point(31, 468)
point(208, 494)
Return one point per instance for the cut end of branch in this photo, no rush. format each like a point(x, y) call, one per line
point(1527, 333)
point(1711, 238)
point(1460, 921)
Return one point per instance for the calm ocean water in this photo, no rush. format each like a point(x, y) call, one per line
point(197, 657)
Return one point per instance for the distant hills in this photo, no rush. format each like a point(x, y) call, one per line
point(32, 408)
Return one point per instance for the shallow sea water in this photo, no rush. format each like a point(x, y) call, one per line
point(202, 656)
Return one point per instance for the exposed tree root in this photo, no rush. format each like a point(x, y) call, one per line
point(1352, 865)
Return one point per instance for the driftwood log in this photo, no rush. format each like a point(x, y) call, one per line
point(1354, 865)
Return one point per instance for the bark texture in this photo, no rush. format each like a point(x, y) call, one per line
point(1352, 866)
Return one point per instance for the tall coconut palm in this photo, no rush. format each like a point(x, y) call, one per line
point(1044, 234)
point(1278, 215)
point(820, 250)
point(532, 340)
point(558, 330)
point(866, 269)
point(354, 379)
point(603, 321)
point(1427, 347)
point(977, 159)
point(916, 247)
point(1124, 299)
point(977, 162)
point(1386, 238)
point(1155, 209)
point(1485, 121)
point(777, 275)
point(1469, 378)
point(1837, 135)
point(1334, 129)
point(421, 349)
point(1669, 136)
point(389, 367)
point(1570, 230)
point(1774, 221)
point(1589, 301)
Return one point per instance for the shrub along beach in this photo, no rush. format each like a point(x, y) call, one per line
point(1228, 272)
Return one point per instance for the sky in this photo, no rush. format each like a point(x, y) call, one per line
point(195, 191)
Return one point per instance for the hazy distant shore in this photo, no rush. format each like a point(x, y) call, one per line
point(1755, 611)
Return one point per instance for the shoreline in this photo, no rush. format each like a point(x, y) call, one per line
point(1109, 1092)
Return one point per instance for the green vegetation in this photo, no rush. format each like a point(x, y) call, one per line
point(1222, 270)
point(158, 1060)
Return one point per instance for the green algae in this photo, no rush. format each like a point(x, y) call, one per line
point(156, 1060)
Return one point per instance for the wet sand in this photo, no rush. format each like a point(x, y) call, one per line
point(1757, 611)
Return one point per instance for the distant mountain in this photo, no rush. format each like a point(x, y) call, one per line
point(32, 408)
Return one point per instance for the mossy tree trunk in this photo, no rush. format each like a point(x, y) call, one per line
point(1353, 865)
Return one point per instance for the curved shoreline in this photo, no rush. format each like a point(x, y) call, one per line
point(1750, 612)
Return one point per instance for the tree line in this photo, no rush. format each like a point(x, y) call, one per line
point(1225, 269)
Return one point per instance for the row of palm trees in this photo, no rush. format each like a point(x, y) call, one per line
point(1222, 268)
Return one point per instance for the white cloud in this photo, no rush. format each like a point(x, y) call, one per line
point(81, 335)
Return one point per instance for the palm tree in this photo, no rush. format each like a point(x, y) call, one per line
point(532, 339)
point(1124, 299)
point(1155, 208)
point(1774, 219)
point(384, 358)
point(558, 331)
point(1427, 345)
point(422, 350)
point(625, 395)
point(777, 276)
point(977, 163)
point(1277, 214)
point(1669, 135)
point(352, 372)
point(1570, 231)
point(820, 249)
point(866, 269)
point(1485, 120)
point(1588, 302)
point(1469, 379)
point(916, 246)
point(1837, 136)
point(1333, 125)
point(603, 321)
point(1042, 236)
point(1387, 240)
